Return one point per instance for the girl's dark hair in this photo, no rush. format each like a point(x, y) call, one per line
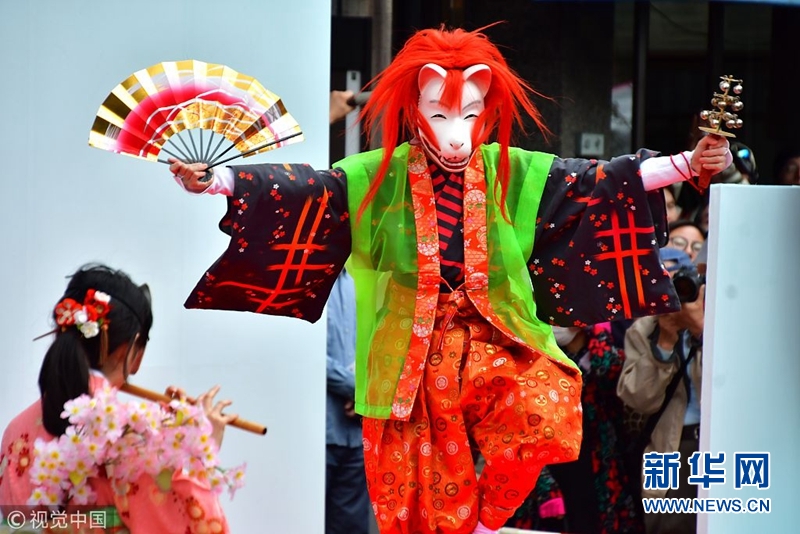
point(65, 370)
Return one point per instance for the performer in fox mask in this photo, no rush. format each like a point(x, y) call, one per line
point(462, 252)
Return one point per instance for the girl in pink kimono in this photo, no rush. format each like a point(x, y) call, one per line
point(88, 354)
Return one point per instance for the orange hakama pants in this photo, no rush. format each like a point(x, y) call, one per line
point(480, 392)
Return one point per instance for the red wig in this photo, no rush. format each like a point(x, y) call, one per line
point(392, 109)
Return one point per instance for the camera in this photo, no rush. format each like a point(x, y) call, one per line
point(687, 282)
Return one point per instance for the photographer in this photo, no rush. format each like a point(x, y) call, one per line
point(662, 376)
point(686, 236)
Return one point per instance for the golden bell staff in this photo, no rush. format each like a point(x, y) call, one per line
point(160, 397)
point(727, 102)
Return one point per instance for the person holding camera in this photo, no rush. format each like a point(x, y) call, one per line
point(687, 236)
point(661, 377)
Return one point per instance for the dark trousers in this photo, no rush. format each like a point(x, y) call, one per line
point(678, 523)
point(347, 506)
point(580, 496)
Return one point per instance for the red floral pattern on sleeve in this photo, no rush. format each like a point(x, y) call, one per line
point(20, 454)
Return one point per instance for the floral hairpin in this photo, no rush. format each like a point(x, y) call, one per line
point(89, 317)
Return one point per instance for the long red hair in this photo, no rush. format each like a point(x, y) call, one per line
point(392, 109)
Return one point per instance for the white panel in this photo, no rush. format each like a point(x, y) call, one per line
point(65, 204)
point(751, 368)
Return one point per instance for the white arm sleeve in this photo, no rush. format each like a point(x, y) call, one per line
point(659, 172)
point(221, 183)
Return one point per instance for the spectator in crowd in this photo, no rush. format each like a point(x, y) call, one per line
point(787, 166)
point(686, 236)
point(673, 210)
point(744, 161)
point(662, 375)
point(598, 495)
point(347, 506)
point(543, 510)
point(340, 105)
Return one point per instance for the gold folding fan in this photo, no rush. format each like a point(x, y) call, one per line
point(193, 111)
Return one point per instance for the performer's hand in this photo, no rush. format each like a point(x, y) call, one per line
point(712, 153)
point(189, 175)
point(214, 413)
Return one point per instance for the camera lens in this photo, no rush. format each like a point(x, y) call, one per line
point(687, 284)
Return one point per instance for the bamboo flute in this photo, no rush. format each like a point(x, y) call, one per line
point(160, 397)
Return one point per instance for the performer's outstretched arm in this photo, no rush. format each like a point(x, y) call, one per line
point(712, 153)
point(599, 227)
point(595, 253)
point(290, 236)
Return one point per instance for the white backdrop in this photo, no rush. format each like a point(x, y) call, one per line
point(65, 204)
point(751, 369)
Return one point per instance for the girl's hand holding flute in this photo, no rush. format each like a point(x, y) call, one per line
point(213, 411)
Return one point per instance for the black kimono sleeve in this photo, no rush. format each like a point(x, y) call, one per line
point(595, 255)
point(290, 236)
